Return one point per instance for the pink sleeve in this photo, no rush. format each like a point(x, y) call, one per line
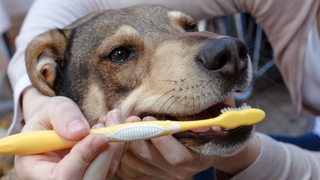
point(282, 161)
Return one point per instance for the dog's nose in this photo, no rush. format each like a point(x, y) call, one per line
point(227, 54)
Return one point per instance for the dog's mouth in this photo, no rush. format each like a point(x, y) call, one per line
point(211, 112)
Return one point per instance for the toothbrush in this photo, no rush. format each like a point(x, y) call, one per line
point(35, 142)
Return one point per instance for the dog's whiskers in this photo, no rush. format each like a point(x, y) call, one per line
point(162, 96)
point(164, 108)
point(171, 104)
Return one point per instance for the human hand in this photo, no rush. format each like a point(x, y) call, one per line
point(161, 158)
point(60, 113)
point(167, 158)
point(92, 158)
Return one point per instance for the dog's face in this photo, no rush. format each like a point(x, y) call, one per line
point(146, 60)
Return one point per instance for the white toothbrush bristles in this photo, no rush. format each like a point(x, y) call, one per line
point(243, 107)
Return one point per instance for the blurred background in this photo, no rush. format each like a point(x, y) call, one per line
point(12, 13)
point(266, 92)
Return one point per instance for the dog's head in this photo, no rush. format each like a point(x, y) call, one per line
point(146, 60)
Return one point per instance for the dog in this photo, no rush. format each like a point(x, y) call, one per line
point(147, 60)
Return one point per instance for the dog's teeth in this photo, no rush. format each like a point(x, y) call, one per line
point(216, 128)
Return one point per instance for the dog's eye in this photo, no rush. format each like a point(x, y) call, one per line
point(191, 27)
point(120, 54)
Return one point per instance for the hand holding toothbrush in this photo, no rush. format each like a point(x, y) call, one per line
point(164, 149)
point(92, 156)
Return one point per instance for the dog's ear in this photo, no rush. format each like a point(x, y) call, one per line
point(45, 54)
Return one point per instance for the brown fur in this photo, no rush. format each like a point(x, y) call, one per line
point(161, 73)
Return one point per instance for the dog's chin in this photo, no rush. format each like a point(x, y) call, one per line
point(211, 140)
point(223, 143)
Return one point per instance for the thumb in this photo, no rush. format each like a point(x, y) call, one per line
point(68, 121)
point(59, 113)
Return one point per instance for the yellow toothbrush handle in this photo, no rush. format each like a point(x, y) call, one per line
point(47, 140)
point(35, 142)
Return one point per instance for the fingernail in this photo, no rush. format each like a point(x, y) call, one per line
point(76, 126)
point(99, 143)
point(99, 125)
point(149, 118)
point(116, 115)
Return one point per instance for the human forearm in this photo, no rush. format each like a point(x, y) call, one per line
point(277, 159)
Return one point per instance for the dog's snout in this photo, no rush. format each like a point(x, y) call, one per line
point(226, 54)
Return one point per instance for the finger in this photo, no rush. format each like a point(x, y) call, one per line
point(59, 113)
point(73, 165)
point(99, 168)
point(25, 165)
point(133, 167)
point(147, 153)
point(172, 150)
point(184, 165)
point(169, 147)
point(67, 119)
point(34, 115)
point(115, 117)
point(177, 155)
point(106, 163)
point(133, 119)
